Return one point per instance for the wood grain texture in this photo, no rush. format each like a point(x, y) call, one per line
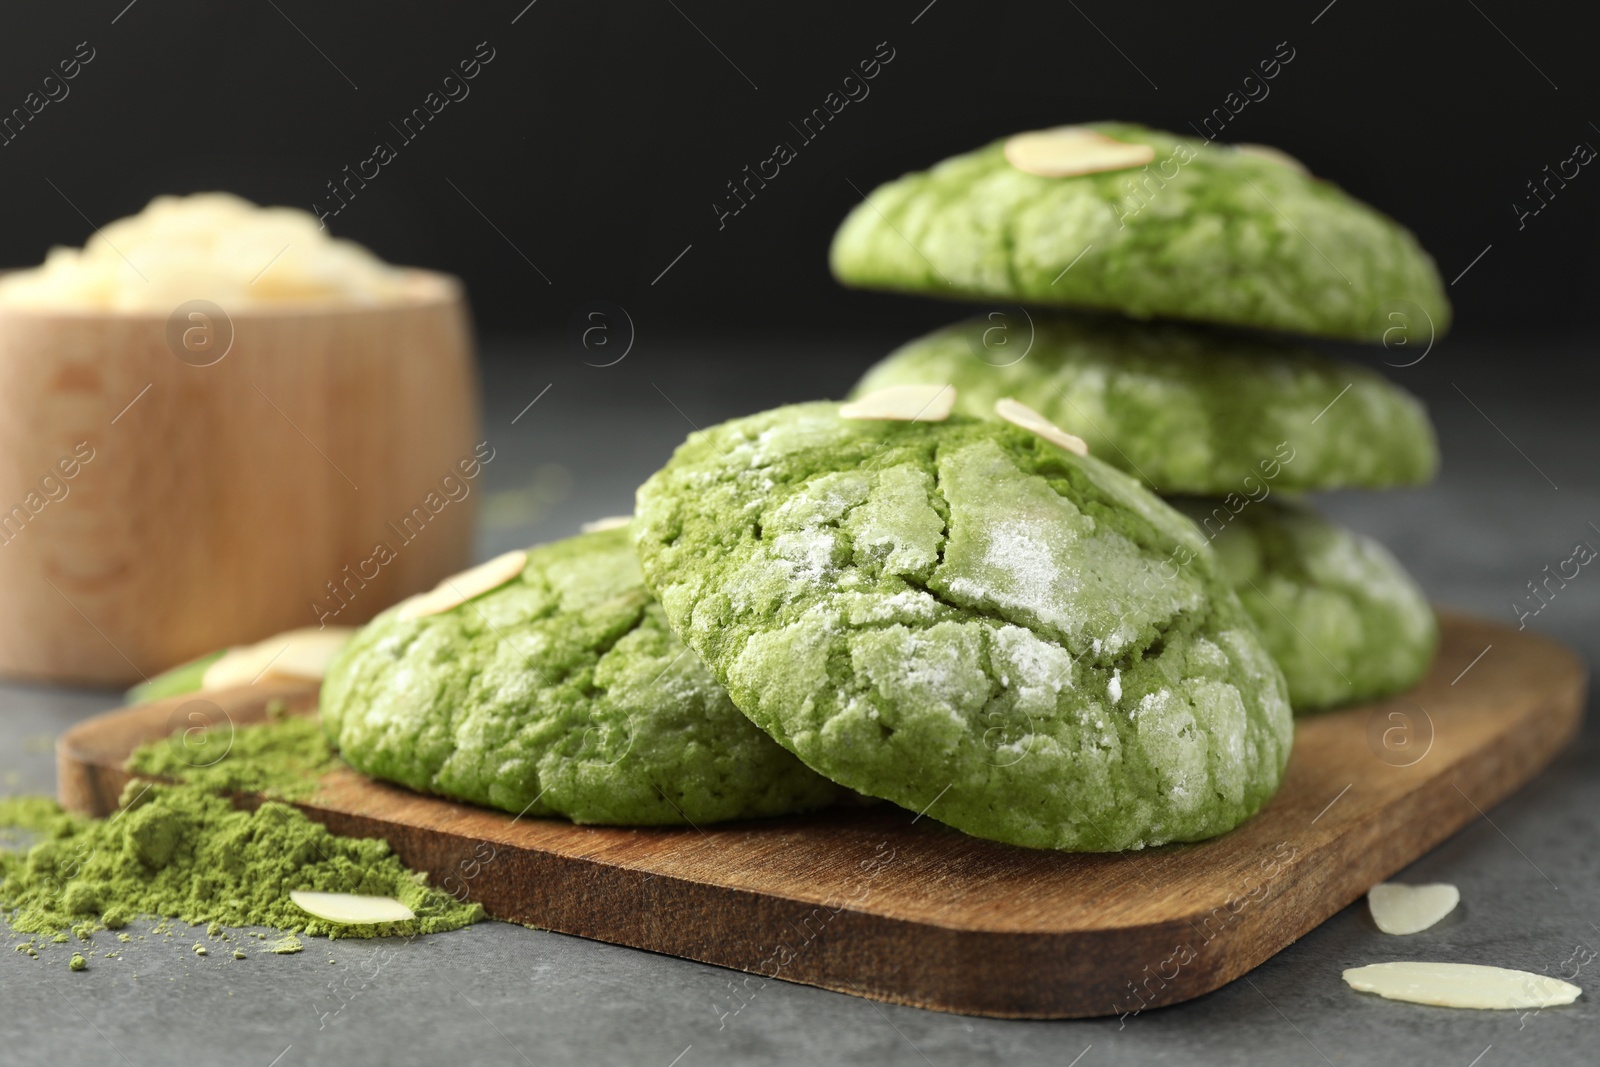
point(221, 500)
point(881, 903)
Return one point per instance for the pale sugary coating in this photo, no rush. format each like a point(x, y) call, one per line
point(964, 618)
point(1205, 232)
point(1335, 608)
point(1186, 409)
point(562, 692)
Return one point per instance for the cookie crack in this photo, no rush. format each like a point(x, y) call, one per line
point(1164, 627)
point(991, 614)
point(602, 648)
point(941, 505)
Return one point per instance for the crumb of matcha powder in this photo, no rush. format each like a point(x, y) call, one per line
point(185, 852)
point(78, 963)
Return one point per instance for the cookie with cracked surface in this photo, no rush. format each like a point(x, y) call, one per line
point(1335, 608)
point(1187, 409)
point(1203, 231)
point(964, 618)
point(561, 692)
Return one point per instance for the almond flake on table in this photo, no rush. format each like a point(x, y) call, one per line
point(1461, 985)
point(1410, 909)
point(351, 908)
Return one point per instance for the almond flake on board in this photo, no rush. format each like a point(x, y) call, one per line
point(1067, 151)
point(610, 522)
point(307, 653)
point(301, 655)
point(1275, 155)
point(351, 907)
point(903, 403)
point(1462, 985)
point(1019, 414)
point(1410, 909)
point(459, 588)
point(237, 666)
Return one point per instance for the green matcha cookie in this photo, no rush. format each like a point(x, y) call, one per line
point(1188, 410)
point(1201, 231)
point(562, 692)
point(1336, 610)
point(965, 619)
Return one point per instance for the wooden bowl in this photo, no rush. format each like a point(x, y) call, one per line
point(172, 485)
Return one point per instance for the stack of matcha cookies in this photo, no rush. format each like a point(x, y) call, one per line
point(1141, 271)
point(1060, 601)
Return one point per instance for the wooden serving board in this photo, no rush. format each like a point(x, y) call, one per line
point(878, 902)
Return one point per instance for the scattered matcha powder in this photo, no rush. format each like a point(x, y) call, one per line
point(287, 945)
point(184, 851)
point(78, 963)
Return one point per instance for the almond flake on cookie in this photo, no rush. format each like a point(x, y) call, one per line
point(1019, 414)
point(1068, 151)
point(903, 403)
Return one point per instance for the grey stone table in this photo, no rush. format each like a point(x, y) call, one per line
point(1517, 492)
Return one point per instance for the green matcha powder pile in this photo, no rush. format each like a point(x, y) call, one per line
point(184, 850)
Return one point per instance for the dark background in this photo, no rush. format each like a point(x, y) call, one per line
point(593, 146)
